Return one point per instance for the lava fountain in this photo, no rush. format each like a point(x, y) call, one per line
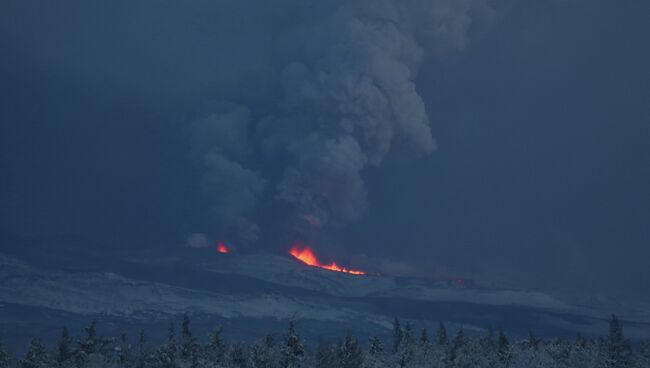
point(306, 255)
point(222, 248)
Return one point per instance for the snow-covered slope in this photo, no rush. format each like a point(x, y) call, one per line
point(261, 287)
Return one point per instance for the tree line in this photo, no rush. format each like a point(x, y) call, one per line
point(406, 349)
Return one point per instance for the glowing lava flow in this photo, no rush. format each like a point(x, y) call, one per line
point(307, 256)
point(221, 248)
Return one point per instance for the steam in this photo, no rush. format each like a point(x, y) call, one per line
point(348, 98)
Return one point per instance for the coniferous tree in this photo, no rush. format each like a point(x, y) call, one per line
point(167, 354)
point(215, 351)
point(406, 350)
point(36, 356)
point(375, 356)
point(142, 350)
point(64, 353)
point(262, 354)
point(189, 351)
point(441, 335)
point(531, 341)
point(5, 357)
point(397, 336)
point(350, 354)
point(292, 354)
point(424, 337)
point(325, 356)
point(618, 347)
point(124, 351)
point(237, 356)
point(503, 346)
point(457, 343)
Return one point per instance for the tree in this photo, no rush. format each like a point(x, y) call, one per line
point(124, 351)
point(349, 354)
point(503, 346)
point(424, 337)
point(216, 348)
point(325, 357)
point(237, 356)
point(618, 347)
point(375, 356)
point(397, 335)
point(167, 354)
point(64, 353)
point(142, 350)
point(262, 355)
point(36, 356)
point(292, 354)
point(5, 357)
point(457, 343)
point(441, 335)
point(189, 344)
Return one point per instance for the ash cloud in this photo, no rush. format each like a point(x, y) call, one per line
point(347, 100)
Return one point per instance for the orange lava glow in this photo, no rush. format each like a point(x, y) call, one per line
point(307, 256)
point(221, 248)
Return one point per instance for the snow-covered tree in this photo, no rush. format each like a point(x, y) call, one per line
point(292, 354)
point(349, 353)
point(376, 356)
point(215, 350)
point(262, 354)
point(325, 355)
point(238, 356)
point(36, 356)
point(397, 336)
point(5, 357)
point(189, 349)
point(620, 353)
point(65, 352)
point(168, 352)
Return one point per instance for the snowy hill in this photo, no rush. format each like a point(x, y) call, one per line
point(252, 294)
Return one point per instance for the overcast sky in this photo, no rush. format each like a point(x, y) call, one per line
point(507, 141)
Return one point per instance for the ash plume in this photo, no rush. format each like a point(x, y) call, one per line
point(347, 99)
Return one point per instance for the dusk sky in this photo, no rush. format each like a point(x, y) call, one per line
point(504, 141)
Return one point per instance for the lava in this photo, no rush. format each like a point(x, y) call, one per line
point(222, 248)
point(306, 255)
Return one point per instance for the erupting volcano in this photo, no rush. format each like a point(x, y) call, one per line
point(304, 254)
point(222, 248)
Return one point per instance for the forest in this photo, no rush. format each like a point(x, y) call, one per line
point(407, 348)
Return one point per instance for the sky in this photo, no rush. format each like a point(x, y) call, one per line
point(499, 140)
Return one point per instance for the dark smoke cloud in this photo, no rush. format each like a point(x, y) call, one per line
point(348, 99)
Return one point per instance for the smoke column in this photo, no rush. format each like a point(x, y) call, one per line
point(347, 98)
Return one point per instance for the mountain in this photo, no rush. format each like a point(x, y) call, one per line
point(253, 294)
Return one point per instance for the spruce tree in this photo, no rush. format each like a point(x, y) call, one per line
point(503, 346)
point(441, 335)
point(216, 348)
point(36, 356)
point(325, 357)
point(618, 347)
point(293, 351)
point(424, 338)
point(397, 336)
point(167, 354)
point(189, 344)
point(5, 357)
point(261, 355)
point(237, 356)
point(350, 354)
point(124, 352)
point(142, 350)
point(457, 343)
point(64, 349)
